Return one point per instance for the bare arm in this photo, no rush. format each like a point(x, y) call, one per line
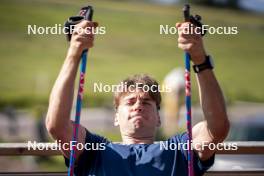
point(58, 121)
point(215, 126)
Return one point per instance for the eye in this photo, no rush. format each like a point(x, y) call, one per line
point(146, 103)
point(129, 103)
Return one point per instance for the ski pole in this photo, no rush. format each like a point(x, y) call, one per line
point(86, 13)
point(196, 21)
point(187, 57)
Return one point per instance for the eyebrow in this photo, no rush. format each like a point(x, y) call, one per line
point(131, 98)
point(146, 99)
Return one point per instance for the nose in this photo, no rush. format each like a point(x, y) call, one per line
point(137, 106)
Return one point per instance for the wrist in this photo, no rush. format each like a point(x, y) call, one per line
point(198, 58)
point(74, 51)
point(207, 64)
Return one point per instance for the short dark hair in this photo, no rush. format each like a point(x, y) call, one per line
point(142, 79)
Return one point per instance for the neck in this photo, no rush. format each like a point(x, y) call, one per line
point(137, 140)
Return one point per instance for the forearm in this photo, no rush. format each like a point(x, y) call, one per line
point(61, 98)
point(213, 105)
point(215, 127)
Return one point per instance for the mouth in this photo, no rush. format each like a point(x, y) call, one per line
point(137, 116)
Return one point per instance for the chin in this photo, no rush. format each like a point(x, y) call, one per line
point(138, 125)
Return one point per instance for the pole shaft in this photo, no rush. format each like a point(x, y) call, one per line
point(78, 112)
point(188, 112)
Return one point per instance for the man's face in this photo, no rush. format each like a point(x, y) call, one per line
point(137, 115)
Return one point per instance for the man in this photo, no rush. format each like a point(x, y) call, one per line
point(138, 118)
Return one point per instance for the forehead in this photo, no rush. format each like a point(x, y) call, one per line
point(136, 94)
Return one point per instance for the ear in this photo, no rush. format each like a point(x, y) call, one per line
point(159, 121)
point(116, 121)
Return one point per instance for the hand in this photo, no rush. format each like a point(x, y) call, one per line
point(191, 43)
point(82, 37)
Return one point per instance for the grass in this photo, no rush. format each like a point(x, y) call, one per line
point(29, 64)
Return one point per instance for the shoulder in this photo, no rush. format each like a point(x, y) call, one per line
point(94, 138)
point(179, 138)
point(199, 166)
point(90, 156)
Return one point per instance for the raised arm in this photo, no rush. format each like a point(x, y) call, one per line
point(215, 126)
point(58, 121)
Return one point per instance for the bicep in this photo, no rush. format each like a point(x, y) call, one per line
point(202, 136)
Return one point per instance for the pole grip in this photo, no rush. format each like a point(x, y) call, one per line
point(186, 12)
point(87, 13)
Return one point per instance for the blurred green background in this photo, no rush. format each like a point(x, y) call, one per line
point(29, 64)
